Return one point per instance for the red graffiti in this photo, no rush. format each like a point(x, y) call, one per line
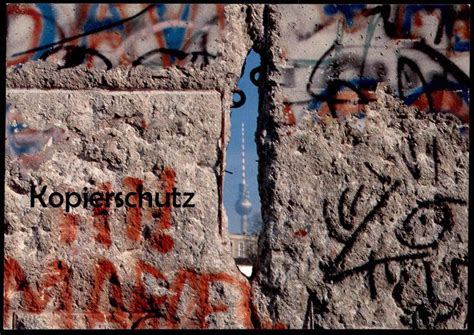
point(187, 302)
point(201, 306)
point(106, 273)
point(134, 215)
point(290, 119)
point(136, 30)
point(161, 241)
point(200, 285)
point(101, 219)
point(301, 233)
point(276, 325)
point(68, 226)
point(445, 101)
point(142, 302)
point(21, 9)
point(57, 276)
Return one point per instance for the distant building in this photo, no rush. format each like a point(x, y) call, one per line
point(244, 247)
point(244, 251)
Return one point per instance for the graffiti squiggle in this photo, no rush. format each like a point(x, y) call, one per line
point(421, 50)
point(106, 35)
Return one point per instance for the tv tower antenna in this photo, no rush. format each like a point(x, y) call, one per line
point(243, 206)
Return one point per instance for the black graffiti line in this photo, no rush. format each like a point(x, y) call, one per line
point(448, 17)
point(447, 64)
point(308, 322)
point(382, 178)
point(204, 54)
point(333, 87)
point(445, 22)
point(338, 276)
point(172, 52)
point(454, 311)
point(436, 158)
point(438, 199)
point(455, 263)
point(314, 306)
point(402, 61)
point(348, 224)
point(389, 274)
point(430, 292)
point(355, 201)
point(384, 11)
point(363, 225)
point(90, 32)
point(331, 226)
point(340, 207)
point(433, 299)
point(75, 55)
point(412, 245)
point(316, 66)
point(446, 224)
point(413, 168)
point(371, 277)
point(175, 53)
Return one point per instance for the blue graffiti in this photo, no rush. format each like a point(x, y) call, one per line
point(349, 11)
point(48, 33)
point(174, 36)
point(92, 22)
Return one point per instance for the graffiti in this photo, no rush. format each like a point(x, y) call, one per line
point(116, 296)
point(421, 50)
point(419, 234)
point(31, 146)
point(316, 307)
point(22, 140)
point(35, 300)
point(242, 98)
point(136, 217)
point(69, 224)
point(109, 35)
point(107, 297)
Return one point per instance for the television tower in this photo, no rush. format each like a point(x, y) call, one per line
point(243, 206)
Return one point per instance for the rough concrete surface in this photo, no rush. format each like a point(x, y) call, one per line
point(363, 165)
point(364, 199)
point(366, 222)
point(117, 267)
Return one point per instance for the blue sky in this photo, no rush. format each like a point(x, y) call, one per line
point(248, 115)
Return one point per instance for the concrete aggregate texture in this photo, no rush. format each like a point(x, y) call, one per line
point(362, 142)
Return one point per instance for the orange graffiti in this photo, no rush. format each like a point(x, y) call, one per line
point(68, 228)
point(182, 308)
point(35, 301)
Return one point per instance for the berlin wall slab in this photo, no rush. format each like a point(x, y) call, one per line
point(363, 186)
point(367, 222)
point(116, 266)
point(364, 195)
point(127, 46)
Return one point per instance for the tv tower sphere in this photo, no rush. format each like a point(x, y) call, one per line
point(243, 206)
